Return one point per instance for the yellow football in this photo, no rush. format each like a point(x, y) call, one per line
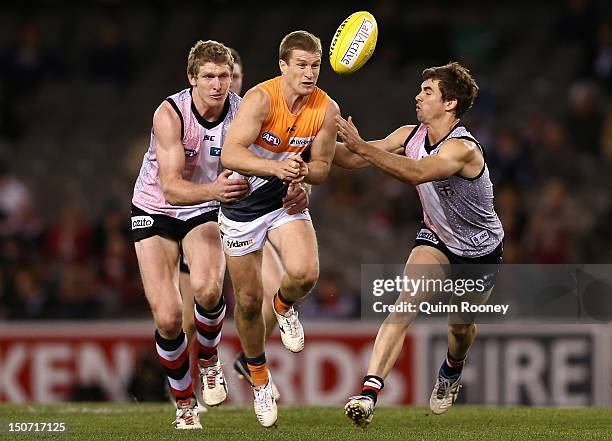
point(353, 43)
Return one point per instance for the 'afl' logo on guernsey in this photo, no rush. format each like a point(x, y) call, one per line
point(271, 139)
point(190, 153)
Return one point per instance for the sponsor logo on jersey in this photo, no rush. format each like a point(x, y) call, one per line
point(300, 142)
point(238, 243)
point(209, 137)
point(141, 222)
point(215, 151)
point(428, 236)
point(291, 129)
point(190, 153)
point(480, 238)
point(271, 139)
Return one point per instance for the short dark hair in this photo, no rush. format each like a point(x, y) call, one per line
point(300, 40)
point(455, 82)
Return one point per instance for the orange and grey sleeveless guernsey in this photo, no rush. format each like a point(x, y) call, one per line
point(283, 134)
point(459, 210)
point(202, 142)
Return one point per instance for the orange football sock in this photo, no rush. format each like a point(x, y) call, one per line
point(259, 374)
point(281, 305)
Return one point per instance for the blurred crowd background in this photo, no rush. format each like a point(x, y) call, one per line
point(78, 88)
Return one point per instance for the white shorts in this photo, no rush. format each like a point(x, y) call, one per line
point(240, 238)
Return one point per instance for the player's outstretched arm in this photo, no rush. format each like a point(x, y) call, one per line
point(344, 158)
point(323, 146)
point(454, 155)
point(171, 161)
point(393, 143)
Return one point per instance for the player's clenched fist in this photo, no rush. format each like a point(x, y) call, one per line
point(291, 169)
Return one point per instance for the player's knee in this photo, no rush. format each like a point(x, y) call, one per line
point(305, 279)
point(461, 330)
point(206, 292)
point(249, 306)
point(169, 323)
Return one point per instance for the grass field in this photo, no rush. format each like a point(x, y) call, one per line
point(89, 421)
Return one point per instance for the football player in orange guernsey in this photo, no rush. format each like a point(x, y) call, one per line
point(272, 271)
point(284, 132)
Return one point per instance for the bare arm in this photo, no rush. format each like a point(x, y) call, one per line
point(392, 143)
point(323, 146)
point(243, 132)
point(171, 161)
point(453, 157)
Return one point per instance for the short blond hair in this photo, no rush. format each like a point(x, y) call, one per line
point(208, 51)
point(300, 40)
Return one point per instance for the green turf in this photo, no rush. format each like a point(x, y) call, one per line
point(152, 421)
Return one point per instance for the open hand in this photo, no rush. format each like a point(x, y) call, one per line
point(348, 133)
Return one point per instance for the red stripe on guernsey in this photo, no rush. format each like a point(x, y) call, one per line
point(175, 364)
point(183, 394)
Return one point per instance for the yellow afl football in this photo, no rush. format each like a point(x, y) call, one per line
point(353, 43)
